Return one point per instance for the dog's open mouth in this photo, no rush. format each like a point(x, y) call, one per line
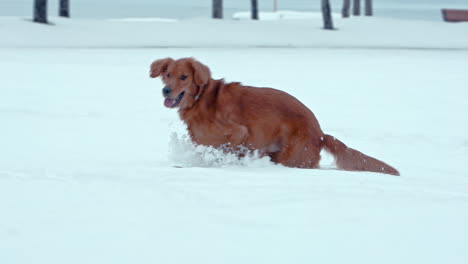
point(171, 103)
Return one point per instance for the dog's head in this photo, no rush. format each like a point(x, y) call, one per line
point(184, 80)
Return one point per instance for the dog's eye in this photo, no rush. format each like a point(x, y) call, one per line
point(183, 77)
point(168, 75)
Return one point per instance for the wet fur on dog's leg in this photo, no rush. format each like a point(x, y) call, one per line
point(237, 134)
point(299, 153)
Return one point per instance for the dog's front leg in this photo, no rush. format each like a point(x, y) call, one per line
point(236, 136)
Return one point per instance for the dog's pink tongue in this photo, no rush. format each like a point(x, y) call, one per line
point(168, 102)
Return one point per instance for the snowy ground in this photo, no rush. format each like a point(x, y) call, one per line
point(87, 155)
point(363, 32)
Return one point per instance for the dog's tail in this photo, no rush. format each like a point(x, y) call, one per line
point(353, 160)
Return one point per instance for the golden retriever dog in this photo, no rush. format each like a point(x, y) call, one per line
point(234, 117)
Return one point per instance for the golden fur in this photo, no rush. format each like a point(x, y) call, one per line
point(271, 121)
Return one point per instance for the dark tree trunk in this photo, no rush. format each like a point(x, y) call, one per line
point(64, 8)
point(368, 8)
point(356, 7)
point(218, 9)
point(254, 9)
point(40, 11)
point(326, 14)
point(346, 6)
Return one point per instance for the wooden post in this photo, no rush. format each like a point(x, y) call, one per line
point(218, 9)
point(254, 9)
point(64, 8)
point(368, 8)
point(275, 5)
point(356, 7)
point(346, 6)
point(40, 11)
point(326, 14)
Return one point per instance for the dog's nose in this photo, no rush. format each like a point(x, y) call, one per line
point(166, 91)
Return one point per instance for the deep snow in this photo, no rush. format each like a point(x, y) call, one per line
point(88, 153)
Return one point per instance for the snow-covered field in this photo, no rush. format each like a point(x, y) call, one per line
point(87, 149)
point(364, 32)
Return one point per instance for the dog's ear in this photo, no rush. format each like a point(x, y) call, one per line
point(159, 67)
point(201, 73)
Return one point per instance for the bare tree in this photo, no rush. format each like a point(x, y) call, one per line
point(40, 11)
point(254, 9)
point(357, 7)
point(64, 8)
point(218, 9)
point(368, 8)
point(326, 14)
point(346, 6)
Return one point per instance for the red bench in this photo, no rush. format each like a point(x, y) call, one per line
point(455, 15)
